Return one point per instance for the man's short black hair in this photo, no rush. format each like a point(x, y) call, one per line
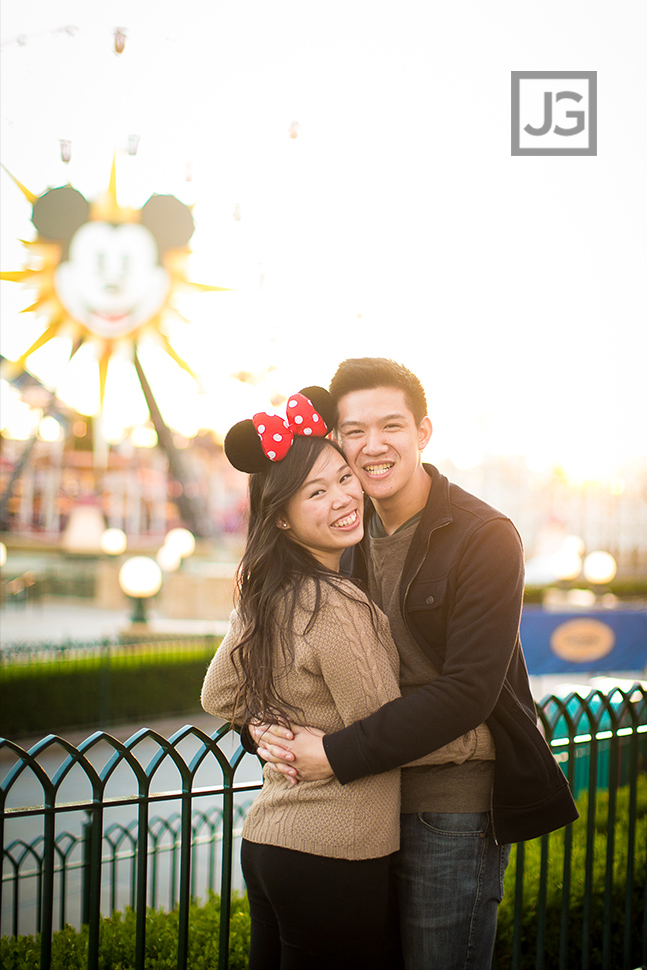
point(366, 373)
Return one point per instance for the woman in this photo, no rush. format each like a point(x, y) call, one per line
point(307, 646)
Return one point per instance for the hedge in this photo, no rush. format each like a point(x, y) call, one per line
point(118, 931)
point(50, 697)
point(554, 892)
point(117, 941)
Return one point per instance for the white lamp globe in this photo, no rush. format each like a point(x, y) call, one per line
point(140, 576)
point(168, 558)
point(113, 542)
point(567, 563)
point(182, 541)
point(600, 567)
point(3, 554)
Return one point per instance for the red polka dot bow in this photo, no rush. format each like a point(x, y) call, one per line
point(277, 434)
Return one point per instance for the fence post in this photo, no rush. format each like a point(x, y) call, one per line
point(95, 843)
point(85, 879)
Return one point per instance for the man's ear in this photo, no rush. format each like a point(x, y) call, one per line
point(424, 433)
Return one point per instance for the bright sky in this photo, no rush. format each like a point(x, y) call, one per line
point(396, 224)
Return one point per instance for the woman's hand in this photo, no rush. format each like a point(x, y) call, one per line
point(298, 753)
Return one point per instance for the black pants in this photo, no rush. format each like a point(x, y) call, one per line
point(310, 912)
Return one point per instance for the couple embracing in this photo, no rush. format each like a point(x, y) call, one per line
point(374, 658)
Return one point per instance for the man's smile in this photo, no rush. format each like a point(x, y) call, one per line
point(377, 470)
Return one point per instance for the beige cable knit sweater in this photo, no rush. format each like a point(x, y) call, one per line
point(342, 671)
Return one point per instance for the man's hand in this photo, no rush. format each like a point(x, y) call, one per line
point(298, 753)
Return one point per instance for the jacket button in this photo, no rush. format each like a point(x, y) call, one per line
point(429, 600)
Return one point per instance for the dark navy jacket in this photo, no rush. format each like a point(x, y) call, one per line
point(461, 595)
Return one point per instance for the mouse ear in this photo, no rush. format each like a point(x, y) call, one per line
point(323, 404)
point(243, 448)
point(58, 213)
point(169, 220)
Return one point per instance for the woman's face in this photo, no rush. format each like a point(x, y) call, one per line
point(325, 515)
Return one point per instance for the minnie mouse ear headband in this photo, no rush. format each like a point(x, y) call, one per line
point(252, 445)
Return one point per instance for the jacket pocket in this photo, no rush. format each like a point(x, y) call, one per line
point(427, 595)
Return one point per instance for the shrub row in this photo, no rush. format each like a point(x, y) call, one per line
point(50, 697)
point(117, 941)
point(118, 931)
point(529, 928)
point(625, 589)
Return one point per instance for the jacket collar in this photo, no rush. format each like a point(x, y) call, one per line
point(437, 513)
point(438, 510)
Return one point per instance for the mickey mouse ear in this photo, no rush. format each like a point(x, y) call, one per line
point(243, 448)
point(322, 403)
point(58, 213)
point(169, 220)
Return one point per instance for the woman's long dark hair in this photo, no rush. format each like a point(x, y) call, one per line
point(269, 579)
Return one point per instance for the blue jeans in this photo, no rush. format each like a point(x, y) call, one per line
point(449, 879)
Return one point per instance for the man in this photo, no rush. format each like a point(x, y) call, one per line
point(447, 569)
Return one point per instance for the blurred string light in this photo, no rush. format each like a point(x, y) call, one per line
point(17, 420)
point(49, 429)
point(144, 437)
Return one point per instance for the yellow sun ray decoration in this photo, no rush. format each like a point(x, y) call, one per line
point(105, 273)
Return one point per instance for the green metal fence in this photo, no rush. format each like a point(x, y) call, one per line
point(131, 834)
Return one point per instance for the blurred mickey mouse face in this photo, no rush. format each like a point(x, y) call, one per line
point(112, 282)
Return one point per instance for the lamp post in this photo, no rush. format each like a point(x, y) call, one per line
point(140, 578)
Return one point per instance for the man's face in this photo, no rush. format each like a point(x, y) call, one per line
point(381, 440)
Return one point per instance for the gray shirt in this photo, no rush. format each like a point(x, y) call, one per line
point(429, 788)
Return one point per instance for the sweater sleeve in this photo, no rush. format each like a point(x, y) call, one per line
point(482, 633)
point(221, 680)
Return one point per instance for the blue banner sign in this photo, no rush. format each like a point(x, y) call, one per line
point(604, 640)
